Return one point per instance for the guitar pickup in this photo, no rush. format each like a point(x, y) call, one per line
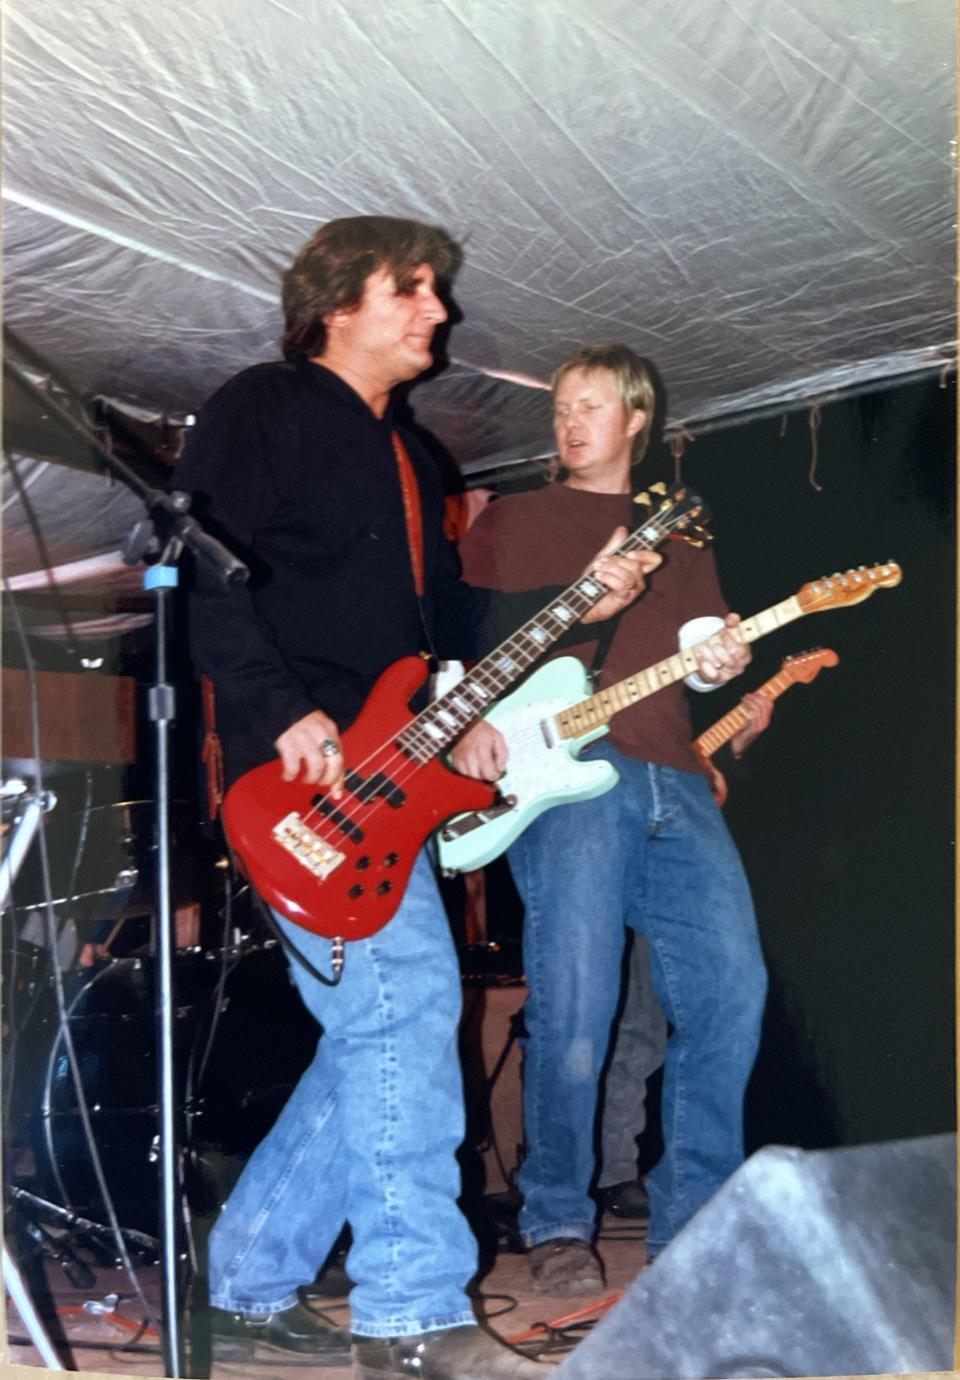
point(365, 788)
point(548, 727)
point(380, 784)
point(331, 811)
point(465, 824)
point(307, 847)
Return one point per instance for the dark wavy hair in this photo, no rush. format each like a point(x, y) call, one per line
point(331, 269)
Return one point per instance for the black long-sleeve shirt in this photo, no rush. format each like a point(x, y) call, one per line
point(290, 467)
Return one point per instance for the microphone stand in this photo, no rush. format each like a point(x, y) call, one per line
point(158, 539)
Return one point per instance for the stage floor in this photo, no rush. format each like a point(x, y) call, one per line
point(504, 1295)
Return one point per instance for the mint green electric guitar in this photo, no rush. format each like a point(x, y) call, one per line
point(552, 717)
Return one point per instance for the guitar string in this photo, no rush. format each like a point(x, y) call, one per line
point(856, 584)
point(419, 741)
point(750, 629)
point(411, 765)
point(419, 746)
point(794, 669)
point(327, 829)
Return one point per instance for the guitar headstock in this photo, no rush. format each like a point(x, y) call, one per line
point(850, 587)
point(803, 667)
point(674, 511)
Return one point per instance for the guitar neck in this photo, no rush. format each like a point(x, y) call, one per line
point(600, 708)
point(438, 726)
point(739, 716)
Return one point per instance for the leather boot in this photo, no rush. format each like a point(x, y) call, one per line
point(628, 1199)
point(456, 1353)
point(236, 1336)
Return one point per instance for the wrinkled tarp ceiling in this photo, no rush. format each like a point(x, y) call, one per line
point(759, 195)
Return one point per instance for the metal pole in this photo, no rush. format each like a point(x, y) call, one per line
point(161, 580)
point(20, 840)
point(31, 1319)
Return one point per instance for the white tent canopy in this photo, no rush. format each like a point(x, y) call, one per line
point(757, 194)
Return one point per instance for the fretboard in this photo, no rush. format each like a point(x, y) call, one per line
point(739, 716)
point(601, 707)
point(439, 725)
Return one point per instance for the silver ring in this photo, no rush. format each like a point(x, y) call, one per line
point(329, 748)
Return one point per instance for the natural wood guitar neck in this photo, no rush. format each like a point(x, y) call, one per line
point(739, 716)
point(601, 707)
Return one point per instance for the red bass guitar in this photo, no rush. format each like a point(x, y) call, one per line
point(340, 868)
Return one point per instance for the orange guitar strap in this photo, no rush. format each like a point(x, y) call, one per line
point(411, 511)
point(212, 753)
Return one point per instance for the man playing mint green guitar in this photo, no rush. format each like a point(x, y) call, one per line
point(652, 854)
point(639, 1039)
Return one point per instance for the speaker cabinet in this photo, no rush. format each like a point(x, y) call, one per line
point(833, 1262)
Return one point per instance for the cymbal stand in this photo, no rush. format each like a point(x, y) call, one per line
point(31, 1319)
point(34, 805)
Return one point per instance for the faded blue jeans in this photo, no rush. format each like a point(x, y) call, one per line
point(655, 854)
point(368, 1136)
point(638, 1049)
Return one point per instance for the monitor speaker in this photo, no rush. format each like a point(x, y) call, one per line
point(832, 1262)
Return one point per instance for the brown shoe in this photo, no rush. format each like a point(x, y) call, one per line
point(565, 1266)
point(455, 1353)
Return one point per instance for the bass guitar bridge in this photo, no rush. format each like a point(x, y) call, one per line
point(307, 847)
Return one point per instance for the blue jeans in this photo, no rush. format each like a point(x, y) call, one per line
point(654, 854)
point(639, 1048)
point(368, 1136)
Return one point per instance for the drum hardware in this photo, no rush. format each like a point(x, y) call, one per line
point(243, 1039)
point(104, 850)
point(11, 792)
point(95, 1234)
point(22, 1299)
point(55, 1248)
point(31, 806)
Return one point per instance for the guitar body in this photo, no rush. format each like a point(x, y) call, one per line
point(343, 872)
point(542, 769)
point(540, 772)
point(340, 867)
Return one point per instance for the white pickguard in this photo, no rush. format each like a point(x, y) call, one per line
point(542, 769)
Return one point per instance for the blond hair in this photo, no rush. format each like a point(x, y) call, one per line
point(634, 381)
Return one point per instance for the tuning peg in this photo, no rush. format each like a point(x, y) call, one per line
point(645, 499)
point(659, 488)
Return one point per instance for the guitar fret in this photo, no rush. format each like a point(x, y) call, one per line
point(621, 694)
point(649, 682)
point(534, 735)
point(597, 708)
point(441, 723)
point(738, 717)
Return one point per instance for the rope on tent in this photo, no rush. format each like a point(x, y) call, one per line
point(814, 420)
point(678, 441)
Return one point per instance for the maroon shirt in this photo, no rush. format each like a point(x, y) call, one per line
point(547, 538)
